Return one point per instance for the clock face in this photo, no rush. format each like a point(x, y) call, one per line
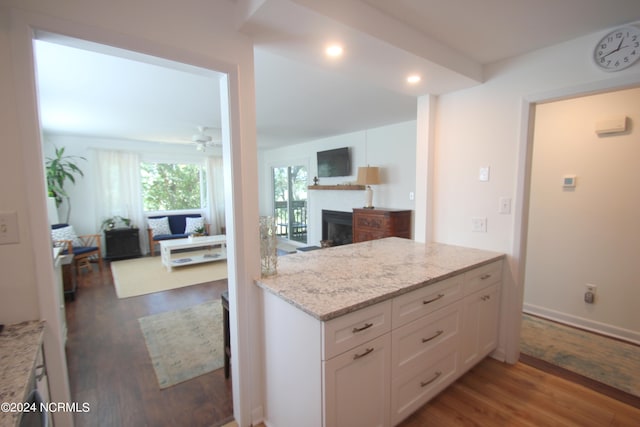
point(618, 50)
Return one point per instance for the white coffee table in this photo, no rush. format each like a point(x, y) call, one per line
point(167, 247)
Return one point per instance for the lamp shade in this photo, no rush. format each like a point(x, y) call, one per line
point(368, 175)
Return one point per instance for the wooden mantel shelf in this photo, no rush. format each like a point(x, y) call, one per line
point(336, 187)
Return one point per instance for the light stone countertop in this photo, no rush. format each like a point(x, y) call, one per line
point(19, 344)
point(331, 282)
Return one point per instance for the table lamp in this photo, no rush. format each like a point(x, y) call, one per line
point(368, 176)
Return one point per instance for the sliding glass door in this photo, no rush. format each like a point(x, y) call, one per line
point(290, 202)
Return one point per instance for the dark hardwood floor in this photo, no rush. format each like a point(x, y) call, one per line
point(109, 366)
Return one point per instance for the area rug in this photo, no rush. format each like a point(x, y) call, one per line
point(609, 361)
point(147, 275)
point(184, 344)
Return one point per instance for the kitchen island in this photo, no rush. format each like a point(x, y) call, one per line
point(364, 334)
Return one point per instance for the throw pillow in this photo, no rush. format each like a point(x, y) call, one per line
point(66, 233)
point(159, 226)
point(192, 224)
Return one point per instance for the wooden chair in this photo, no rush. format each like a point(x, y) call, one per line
point(88, 252)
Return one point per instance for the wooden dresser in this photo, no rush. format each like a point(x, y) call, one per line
point(371, 224)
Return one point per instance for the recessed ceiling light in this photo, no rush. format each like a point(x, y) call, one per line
point(334, 50)
point(413, 79)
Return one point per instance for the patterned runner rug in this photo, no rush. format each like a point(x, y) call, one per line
point(186, 343)
point(609, 361)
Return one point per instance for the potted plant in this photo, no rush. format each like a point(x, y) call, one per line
point(111, 223)
point(61, 169)
point(199, 231)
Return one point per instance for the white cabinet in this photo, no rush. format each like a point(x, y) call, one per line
point(357, 385)
point(356, 367)
point(424, 359)
point(346, 332)
point(480, 325)
point(377, 365)
point(481, 313)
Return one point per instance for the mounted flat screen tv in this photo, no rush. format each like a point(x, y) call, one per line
point(335, 162)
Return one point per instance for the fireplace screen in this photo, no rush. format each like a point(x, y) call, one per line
point(337, 227)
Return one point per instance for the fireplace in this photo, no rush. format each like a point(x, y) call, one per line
point(337, 227)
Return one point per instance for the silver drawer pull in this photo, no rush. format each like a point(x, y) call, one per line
point(435, 377)
point(366, 326)
point(485, 276)
point(434, 299)
point(434, 336)
point(358, 356)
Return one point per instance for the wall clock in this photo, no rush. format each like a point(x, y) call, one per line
point(618, 50)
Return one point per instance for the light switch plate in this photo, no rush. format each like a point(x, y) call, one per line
point(479, 225)
point(484, 174)
point(505, 206)
point(9, 228)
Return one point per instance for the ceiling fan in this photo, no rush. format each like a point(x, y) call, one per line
point(202, 140)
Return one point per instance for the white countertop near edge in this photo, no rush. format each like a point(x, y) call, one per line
point(331, 282)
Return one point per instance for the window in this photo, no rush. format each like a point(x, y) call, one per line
point(172, 186)
point(290, 202)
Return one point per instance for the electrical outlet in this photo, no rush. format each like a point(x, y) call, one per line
point(590, 293)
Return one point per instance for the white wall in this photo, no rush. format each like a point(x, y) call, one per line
point(589, 234)
point(392, 148)
point(485, 126)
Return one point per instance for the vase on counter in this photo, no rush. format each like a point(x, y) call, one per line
point(268, 243)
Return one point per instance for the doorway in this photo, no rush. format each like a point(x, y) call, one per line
point(231, 280)
point(580, 230)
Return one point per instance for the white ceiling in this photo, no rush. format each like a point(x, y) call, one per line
point(300, 94)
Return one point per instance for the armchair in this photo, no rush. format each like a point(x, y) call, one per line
point(85, 248)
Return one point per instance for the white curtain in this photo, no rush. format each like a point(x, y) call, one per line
point(118, 189)
point(215, 190)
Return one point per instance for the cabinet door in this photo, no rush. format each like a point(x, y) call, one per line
point(480, 328)
point(357, 386)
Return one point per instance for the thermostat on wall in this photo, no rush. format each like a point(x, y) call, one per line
point(569, 181)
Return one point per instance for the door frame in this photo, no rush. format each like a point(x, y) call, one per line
point(513, 313)
point(243, 264)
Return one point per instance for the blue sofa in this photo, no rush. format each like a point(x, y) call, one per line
point(177, 224)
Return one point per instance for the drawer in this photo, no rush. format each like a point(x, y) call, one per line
point(414, 389)
point(424, 339)
point(374, 222)
point(353, 329)
point(418, 303)
point(481, 277)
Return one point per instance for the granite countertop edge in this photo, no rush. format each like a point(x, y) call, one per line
point(332, 313)
point(19, 344)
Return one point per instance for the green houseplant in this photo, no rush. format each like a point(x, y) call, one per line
point(59, 170)
point(199, 231)
point(111, 223)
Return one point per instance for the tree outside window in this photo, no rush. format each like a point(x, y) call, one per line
point(172, 186)
point(290, 202)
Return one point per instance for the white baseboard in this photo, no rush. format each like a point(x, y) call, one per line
point(579, 322)
point(257, 415)
point(499, 354)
